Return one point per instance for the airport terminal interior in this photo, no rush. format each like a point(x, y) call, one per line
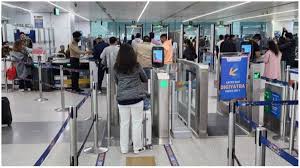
point(149, 83)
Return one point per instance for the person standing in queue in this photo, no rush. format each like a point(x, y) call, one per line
point(26, 41)
point(288, 49)
point(168, 50)
point(189, 52)
point(255, 47)
point(97, 51)
point(137, 40)
point(272, 60)
point(129, 77)
point(153, 41)
point(144, 55)
point(75, 53)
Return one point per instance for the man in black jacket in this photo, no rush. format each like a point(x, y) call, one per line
point(228, 45)
point(288, 48)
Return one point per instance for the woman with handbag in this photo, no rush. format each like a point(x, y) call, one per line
point(23, 64)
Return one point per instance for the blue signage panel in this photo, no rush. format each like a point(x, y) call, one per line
point(233, 78)
point(276, 109)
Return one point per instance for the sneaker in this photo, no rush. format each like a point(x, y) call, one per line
point(124, 152)
point(28, 89)
point(139, 151)
point(77, 90)
point(99, 91)
point(22, 90)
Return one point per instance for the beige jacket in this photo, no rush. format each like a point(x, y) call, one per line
point(75, 52)
point(144, 54)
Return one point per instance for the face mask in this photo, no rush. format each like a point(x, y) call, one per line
point(258, 42)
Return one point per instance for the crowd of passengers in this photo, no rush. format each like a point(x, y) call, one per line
point(131, 62)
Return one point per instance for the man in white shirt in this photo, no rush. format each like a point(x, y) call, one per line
point(221, 40)
point(137, 40)
point(109, 54)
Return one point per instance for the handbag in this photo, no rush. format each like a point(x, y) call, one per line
point(11, 73)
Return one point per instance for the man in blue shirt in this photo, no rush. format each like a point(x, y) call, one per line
point(98, 48)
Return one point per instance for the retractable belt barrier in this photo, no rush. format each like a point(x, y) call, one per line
point(57, 136)
point(261, 133)
point(284, 83)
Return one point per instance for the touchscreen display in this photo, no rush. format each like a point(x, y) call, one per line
point(246, 48)
point(157, 56)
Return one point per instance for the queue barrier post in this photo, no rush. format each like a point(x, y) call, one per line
point(5, 74)
point(292, 127)
point(231, 134)
point(62, 91)
point(92, 106)
point(189, 99)
point(108, 109)
point(73, 143)
point(95, 148)
point(41, 98)
point(260, 148)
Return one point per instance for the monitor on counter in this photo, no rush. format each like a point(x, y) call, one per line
point(246, 47)
point(158, 57)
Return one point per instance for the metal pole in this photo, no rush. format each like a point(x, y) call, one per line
point(197, 42)
point(181, 41)
point(108, 109)
point(189, 100)
point(62, 90)
point(292, 134)
point(73, 143)
point(95, 149)
point(91, 87)
point(260, 149)
point(285, 108)
point(231, 135)
point(41, 99)
point(5, 75)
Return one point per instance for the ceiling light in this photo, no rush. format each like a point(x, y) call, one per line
point(13, 6)
point(5, 17)
point(288, 19)
point(142, 11)
point(84, 18)
point(275, 13)
point(217, 11)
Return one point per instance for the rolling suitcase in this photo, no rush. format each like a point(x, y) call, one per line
point(6, 113)
point(147, 129)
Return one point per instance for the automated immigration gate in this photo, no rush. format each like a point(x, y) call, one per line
point(133, 27)
point(190, 103)
point(161, 29)
point(181, 41)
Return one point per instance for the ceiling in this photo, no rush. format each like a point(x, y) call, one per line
point(162, 11)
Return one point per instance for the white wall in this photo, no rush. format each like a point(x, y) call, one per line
point(63, 25)
point(85, 27)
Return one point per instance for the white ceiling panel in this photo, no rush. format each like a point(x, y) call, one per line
point(161, 11)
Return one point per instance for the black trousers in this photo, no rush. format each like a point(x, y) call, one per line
point(25, 84)
point(75, 75)
point(101, 73)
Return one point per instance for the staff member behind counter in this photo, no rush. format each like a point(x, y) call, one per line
point(75, 53)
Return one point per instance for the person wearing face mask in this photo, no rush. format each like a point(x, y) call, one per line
point(75, 53)
point(255, 47)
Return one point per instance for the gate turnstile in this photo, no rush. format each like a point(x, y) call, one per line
point(160, 105)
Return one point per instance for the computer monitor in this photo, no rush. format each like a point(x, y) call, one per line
point(246, 47)
point(158, 56)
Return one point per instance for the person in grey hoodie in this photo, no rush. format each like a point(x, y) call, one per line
point(129, 76)
point(19, 56)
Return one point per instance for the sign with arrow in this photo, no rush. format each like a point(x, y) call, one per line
point(233, 78)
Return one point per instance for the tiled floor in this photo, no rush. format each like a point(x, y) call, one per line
point(35, 124)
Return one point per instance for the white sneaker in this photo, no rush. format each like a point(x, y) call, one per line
point(28, 89)
point(139, 151)
point(124, 152)
point(21, 90)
